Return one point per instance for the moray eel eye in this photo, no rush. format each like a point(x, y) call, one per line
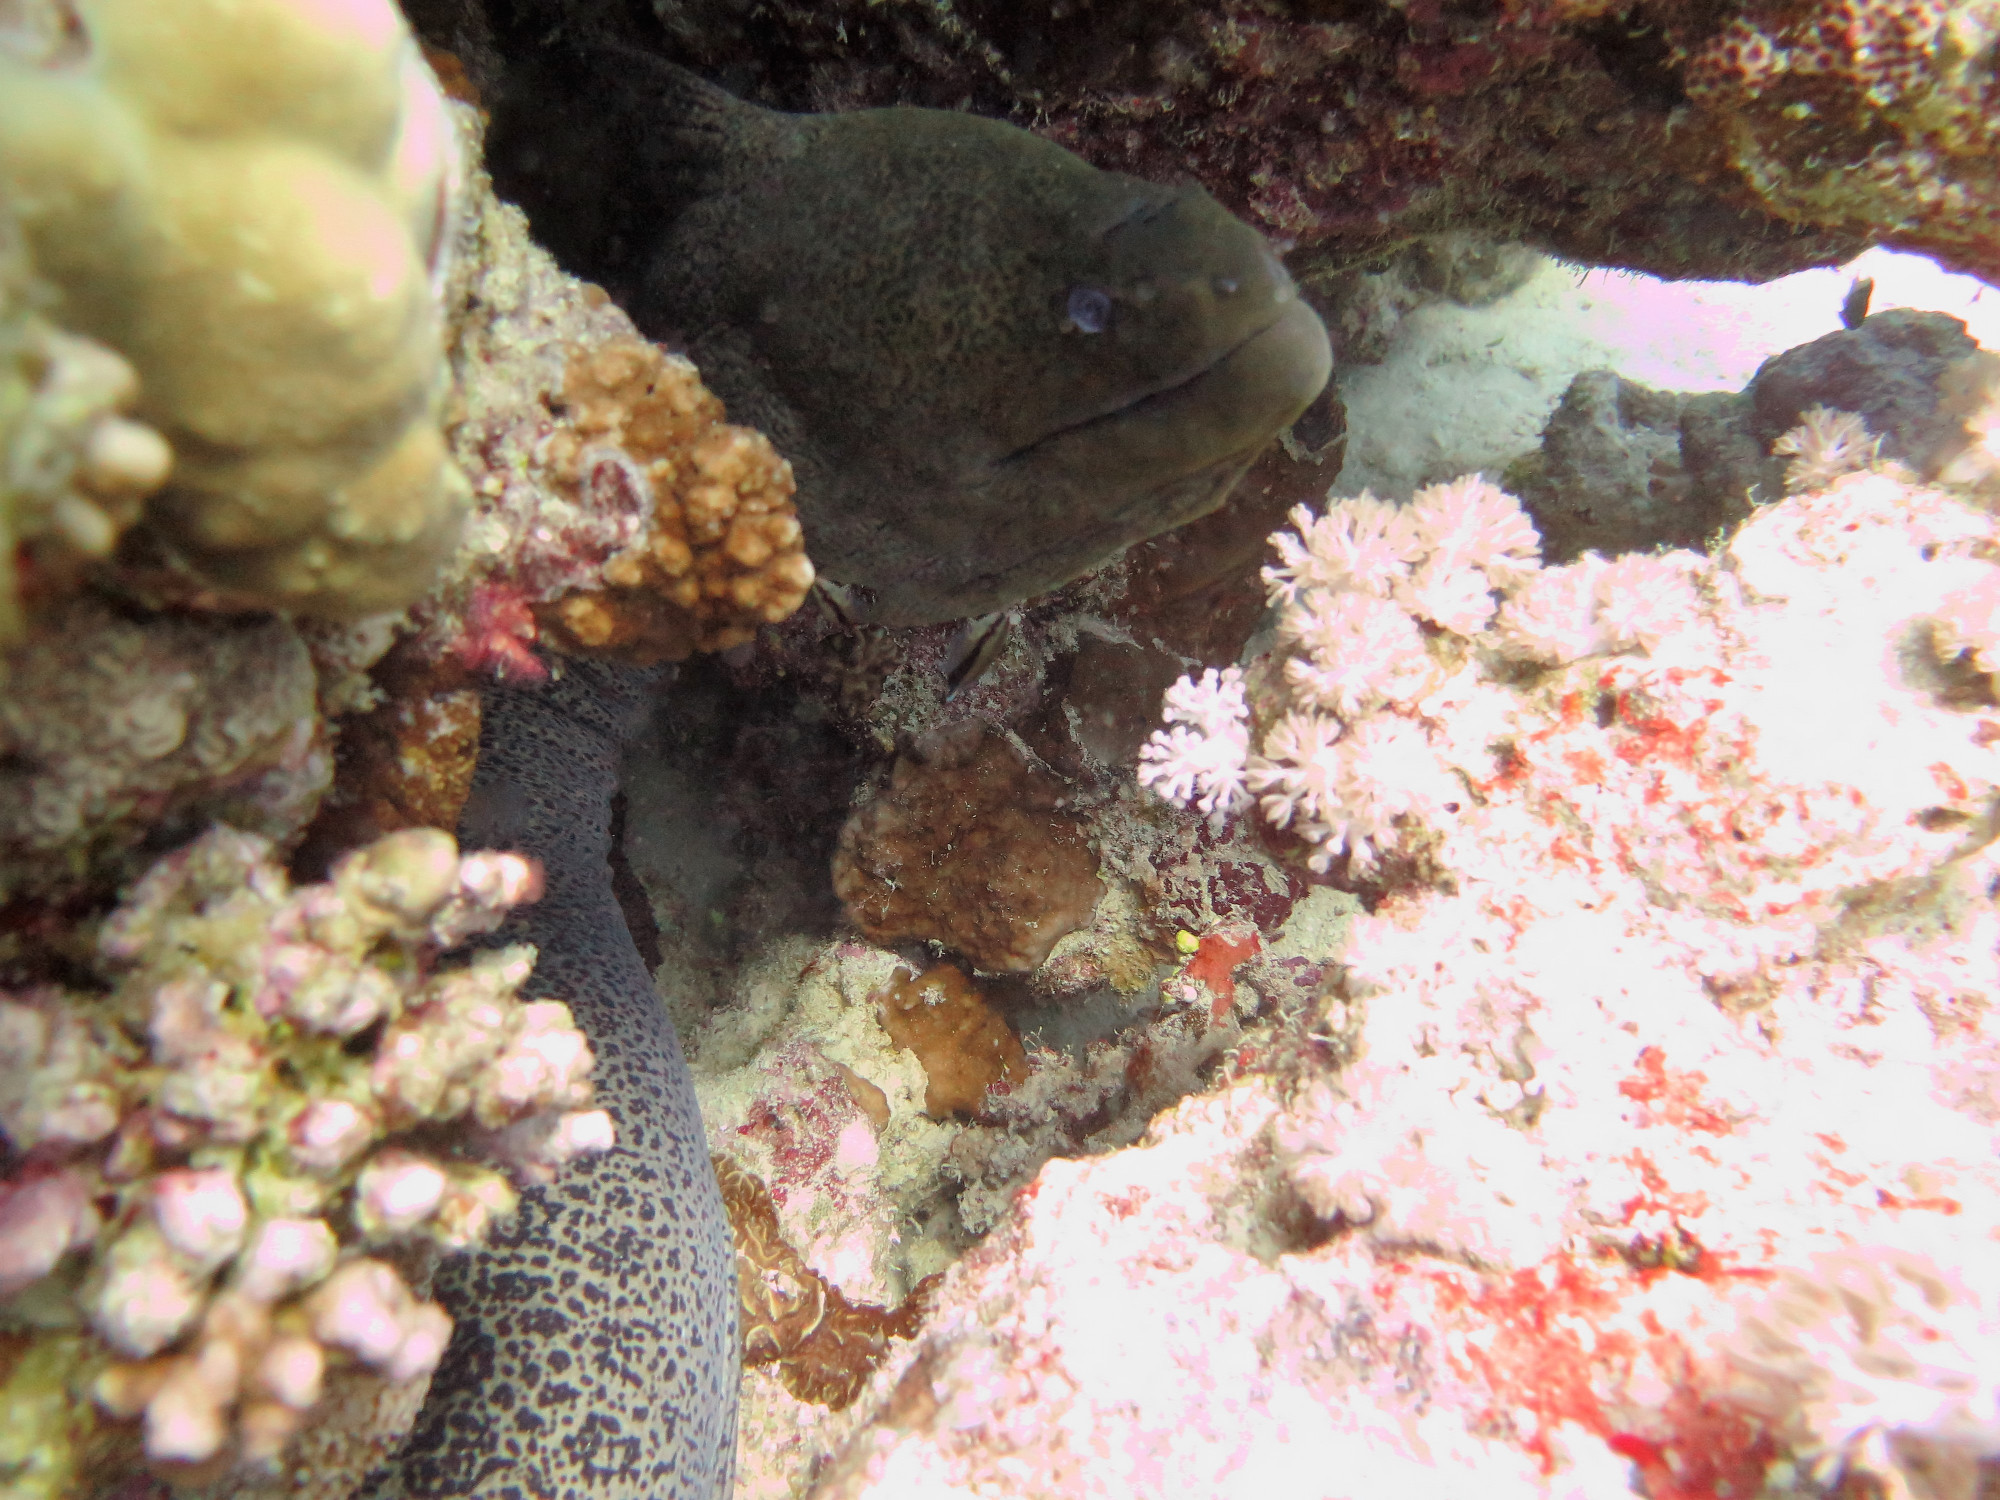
point(1089, 310)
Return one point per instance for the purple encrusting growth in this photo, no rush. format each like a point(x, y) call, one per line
point(596, 1353)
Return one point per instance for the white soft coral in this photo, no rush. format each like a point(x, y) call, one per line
point(1198, 759)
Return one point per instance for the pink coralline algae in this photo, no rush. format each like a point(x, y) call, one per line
point(1645, 1139)
point(215, 1160)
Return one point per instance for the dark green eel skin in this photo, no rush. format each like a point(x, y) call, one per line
point(993, 366)
point(596, 1354)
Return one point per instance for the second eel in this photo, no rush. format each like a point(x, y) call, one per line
point(596, 1352)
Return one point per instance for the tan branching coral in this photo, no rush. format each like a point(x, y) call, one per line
point(968, 844)
point(73, 470)
point(246, 201)
point(216, 1162)
point(722, 551)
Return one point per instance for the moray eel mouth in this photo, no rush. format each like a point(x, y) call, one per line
point(1236, 401)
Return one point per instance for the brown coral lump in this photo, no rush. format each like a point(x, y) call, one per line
point(961, 1040)
point(723, 551)
point(968, 845)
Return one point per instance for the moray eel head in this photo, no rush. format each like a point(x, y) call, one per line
point(992, 365)
point(1175, 343)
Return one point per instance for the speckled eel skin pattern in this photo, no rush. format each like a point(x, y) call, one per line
point(596, 1354)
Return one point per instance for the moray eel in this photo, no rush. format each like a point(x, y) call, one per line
point(992, 365)
point(596, 1354)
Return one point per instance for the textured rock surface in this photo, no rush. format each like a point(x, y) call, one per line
point(967, 844)
point(1893, 372)
point(1614, 473)
point(1353, 129)
point(1623, 468)
point(116, 732)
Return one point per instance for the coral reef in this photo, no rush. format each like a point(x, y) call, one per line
point(968, 844)
point(248, 205)
point(964, 1045)
point(1685, 909)
point(118, 732)
point(218, 1160)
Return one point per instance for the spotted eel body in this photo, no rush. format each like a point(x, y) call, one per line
point(596, 1354)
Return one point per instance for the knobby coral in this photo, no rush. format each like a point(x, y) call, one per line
point(615, 511)
point(722, 550)
point(220, 1157)
point(247, 203)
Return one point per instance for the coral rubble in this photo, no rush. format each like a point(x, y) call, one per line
point(218, 1160)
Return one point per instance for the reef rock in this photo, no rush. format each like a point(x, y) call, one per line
point(1737, 141)
point(116, 731)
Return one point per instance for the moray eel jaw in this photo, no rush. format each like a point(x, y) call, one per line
point(1158, 460)
point(1231, 406)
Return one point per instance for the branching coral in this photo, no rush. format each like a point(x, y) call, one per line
point(247, 203)
point(1198, 759)
point(277, 1088)
point(73, 471)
